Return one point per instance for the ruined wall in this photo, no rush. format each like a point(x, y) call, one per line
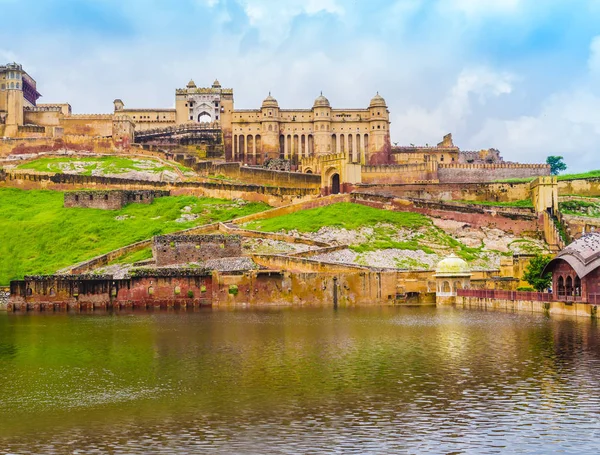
point(165, 291)
point(110, 199)
point(469, 173)
point(75, 143)
point(580, 225)
point(183, 249)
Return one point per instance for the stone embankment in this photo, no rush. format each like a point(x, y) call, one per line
point(4, 295)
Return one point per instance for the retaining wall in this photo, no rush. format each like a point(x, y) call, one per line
point(583, 310)
point(470, 173)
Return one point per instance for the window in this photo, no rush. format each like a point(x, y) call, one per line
point(106, 197)
point(12, 85)
point(3, 87)
point(91, 197)
point(76, 198)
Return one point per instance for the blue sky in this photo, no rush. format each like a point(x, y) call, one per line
point(522, 76)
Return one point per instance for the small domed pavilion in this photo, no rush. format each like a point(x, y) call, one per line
point(451, 274)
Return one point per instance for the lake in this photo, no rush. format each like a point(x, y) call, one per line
point(299, 380)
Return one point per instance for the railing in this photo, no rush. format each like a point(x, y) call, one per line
point(505, 295)
point(521, 295)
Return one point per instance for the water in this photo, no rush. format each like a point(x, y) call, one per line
point(289, 381)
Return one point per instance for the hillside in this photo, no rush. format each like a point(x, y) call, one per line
point(405, 240)
point(39, 235)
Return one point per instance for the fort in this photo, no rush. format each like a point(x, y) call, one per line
point(294, 160)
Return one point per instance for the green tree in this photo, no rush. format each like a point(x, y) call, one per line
point(533, 272)
point(557, 164)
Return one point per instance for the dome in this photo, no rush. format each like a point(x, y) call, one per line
point(270, 102)
point(321, 101)
point(452, 265)
point(191, 84)
point(216, 84)
point(377, 101)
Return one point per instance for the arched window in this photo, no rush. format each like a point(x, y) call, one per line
point(12, 85)
point(270, 127)
point(577, 290)
point(569, 285)
point(446, 287)
point(150, 290)
point(561, 286)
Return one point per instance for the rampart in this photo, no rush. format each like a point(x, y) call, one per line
point(184, 249)
point(404, 173)
point(581, 187)
point(477, 173)
point(110, 199)
point(274, 196)
point(256, 175)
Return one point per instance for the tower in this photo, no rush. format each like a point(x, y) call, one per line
point(269, 144)
point(324, 141)
point(379, 134)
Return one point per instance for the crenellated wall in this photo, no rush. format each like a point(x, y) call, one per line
point(473, 173)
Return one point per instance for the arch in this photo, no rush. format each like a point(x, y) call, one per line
point(311, 145)
point(335, 183)
point(281, 146)
point(577, 287)
point(303, 151)
point(296, 152)
point(242, 147)
point(251, 152)
point(457, 286)
point(235, 146)
point(569, 286)
point(342, 143)
point(308, 171)
point(334, 143)
point(150, 290)
point(258, 145)
point(270, 128)
point(446, 288)
point(204, 117)
point(366, 147)
point(561, 286)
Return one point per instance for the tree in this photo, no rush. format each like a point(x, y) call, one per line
point(533, 272)
point(556, 164)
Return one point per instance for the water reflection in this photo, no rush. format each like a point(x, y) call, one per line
point(376, 380)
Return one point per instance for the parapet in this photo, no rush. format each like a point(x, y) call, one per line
point(110, 199)
point(185, 249)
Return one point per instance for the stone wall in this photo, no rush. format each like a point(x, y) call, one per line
point(274, 196)
point(110, 199)
point(581, 187)
point(254, 175)
point(500, 192)
point(583, 310)
point(4, 295)
point(407, 173)
point(183, 249)
point(470, 173)
point(72, 142)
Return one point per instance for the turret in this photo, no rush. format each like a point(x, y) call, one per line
point(118, 105)
point(322, 121)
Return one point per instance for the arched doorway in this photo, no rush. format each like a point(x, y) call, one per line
point(204, 117)
point(308, 171)
point(335, 184)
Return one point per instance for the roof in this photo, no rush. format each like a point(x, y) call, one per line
point(452, 266)
point(583, 255)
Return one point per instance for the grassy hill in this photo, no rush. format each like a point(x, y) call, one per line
point(38, 235)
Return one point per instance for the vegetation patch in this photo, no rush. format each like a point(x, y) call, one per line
point(99, 165)
point(521, 203)
point(40, 236)
point(583, 175)
point(343, 215)
point(580, 208)
point(134, 256)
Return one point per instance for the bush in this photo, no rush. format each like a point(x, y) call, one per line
point(525, 289)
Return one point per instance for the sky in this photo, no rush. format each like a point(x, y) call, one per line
point(521, 76)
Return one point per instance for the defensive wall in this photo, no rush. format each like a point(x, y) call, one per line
point(256, 175)
point(274, 196)
point(71, 142)
point(479, 173)
point(110, 199)
point(182, 249)
point(581, 187)
point(4, 296)
point(404, 173)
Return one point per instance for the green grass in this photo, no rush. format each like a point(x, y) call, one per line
point(521, 203)
point(108, 165)
point(343, 215)
point(516, 180)
point(39, 235)
point(584, 175)
point(135, 256)
point(580, 208)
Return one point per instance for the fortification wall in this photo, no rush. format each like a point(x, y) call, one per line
point(88, 125)
point(183, 249)
point(581, 187)
point(255, 175)
point(499, 192)
point(474, 173)
point(110, 199)
point(273, 196)
point(519, 221)
point(76, 143)
point(407, 173)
